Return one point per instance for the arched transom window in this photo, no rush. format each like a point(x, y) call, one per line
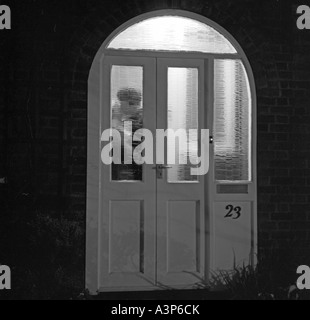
point(172, 33)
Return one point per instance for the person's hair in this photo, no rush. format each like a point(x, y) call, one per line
point(130, 95)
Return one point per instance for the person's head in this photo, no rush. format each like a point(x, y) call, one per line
point(132, 96)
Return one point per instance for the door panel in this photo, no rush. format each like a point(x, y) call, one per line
point(233, 241)
point(127, 244)
point(126, 237)
point(180, 196)
point(183, 236)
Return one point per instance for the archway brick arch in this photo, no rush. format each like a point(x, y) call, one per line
point(98, 26)
point(92, 43)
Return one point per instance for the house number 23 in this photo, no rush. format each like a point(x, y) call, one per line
point(233, 212)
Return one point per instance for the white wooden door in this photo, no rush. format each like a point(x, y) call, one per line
point(152, 220)
point(180, 196)
point(128, 210)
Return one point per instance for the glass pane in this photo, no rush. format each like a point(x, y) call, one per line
point(127, 106)
point(182, 114)
point(232, 128)
point(171, 33)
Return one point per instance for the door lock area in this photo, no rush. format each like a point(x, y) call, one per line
point(159, 170)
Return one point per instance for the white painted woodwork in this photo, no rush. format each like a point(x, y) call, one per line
point(152, 234)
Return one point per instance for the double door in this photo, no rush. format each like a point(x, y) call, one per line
point(153, 225)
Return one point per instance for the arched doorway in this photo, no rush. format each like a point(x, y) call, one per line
point(152, 226)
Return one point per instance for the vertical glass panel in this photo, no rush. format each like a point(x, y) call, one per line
point(171, 33)
point(182, 114)
point(127, 106)
point(232, 122)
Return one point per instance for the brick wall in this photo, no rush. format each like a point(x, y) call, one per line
point(43, 102)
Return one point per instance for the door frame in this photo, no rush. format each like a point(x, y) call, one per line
point(94, 136)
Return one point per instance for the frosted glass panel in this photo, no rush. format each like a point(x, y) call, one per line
point(127, 106)
point(171, 33)
point(182, 114)
point(232, 123)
